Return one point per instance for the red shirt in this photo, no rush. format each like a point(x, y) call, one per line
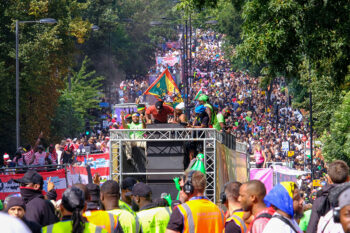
point(258, 225)
point(162, 116)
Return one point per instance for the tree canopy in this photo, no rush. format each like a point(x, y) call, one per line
point(49, 54)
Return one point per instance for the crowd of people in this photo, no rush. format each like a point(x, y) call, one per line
point(244, 207)
point(218, 97)
point(234, 102)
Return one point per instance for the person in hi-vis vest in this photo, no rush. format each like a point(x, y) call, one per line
point(197, 214)
point(235, 216)
point(73, 203)
point(151, 217)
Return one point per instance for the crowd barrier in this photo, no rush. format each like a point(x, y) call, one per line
point(58, 177)
point(274, 175)
point(62, 176)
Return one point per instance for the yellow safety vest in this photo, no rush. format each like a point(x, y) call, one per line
point(67, 227)
point(127, 221)
point(154, 220)
point(237, 217)
point(103, 219)
point(124, 206)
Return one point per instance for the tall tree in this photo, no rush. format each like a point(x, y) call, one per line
point(81, 93)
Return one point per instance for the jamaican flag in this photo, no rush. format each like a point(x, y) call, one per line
point(164, 86)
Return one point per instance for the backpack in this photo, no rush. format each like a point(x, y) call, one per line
point(324, 206)
point(263, 215)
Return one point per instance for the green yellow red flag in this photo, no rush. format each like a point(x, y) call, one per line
point(164, 86)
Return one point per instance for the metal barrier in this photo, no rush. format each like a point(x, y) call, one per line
point(208, 136)
point(23, 169)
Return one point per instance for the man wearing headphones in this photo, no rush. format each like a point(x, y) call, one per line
point(235, 215)
point(197, 214)
point(342, 212)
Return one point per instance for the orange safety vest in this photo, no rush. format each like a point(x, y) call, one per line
point(202, 216)
point(103, 219)
point(237, 217)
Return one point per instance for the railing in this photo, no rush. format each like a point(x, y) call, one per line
point(184, 134)
point(23, 169)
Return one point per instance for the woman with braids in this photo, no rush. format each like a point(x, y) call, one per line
point(73, 203)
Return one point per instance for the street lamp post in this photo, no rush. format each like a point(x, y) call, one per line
point(46, 21)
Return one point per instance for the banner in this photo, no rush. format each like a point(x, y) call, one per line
point(168, 61)
point(230, 165)
point(98, 163)
point(127, 110)
point(265, 175)
point(173, 44)
point(8, 186)
point(287, 174)
point(77, 175)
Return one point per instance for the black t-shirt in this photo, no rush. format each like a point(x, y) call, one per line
point(232, 227)
point(176, 222)
point(67, 157)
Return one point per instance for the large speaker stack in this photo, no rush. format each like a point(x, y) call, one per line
point(161, 157)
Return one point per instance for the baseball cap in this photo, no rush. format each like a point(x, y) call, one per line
point(128, 183)
point(159, 105)
point(140, 189)
point(31, 176)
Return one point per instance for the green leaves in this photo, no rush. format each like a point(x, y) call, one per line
point(337, 140)
point(82, 92)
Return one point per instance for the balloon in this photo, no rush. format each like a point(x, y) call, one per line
point(199, 164)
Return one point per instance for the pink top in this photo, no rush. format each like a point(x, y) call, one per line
point(259, 158)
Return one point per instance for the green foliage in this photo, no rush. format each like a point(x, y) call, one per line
point(82, 92)
point(337, 140)
point(45, 53)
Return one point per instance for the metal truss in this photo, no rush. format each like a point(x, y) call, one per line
point(208, 136)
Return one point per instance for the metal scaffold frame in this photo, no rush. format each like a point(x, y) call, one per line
point(208, 136)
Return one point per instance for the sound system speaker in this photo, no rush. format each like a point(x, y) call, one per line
point(161, 156)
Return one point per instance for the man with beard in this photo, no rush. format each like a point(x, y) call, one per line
point(109, 199)
point(251, 198)
point(285, 198)
point(235, 215)
point(135, 124)
point(125, 202)
point(38, 209)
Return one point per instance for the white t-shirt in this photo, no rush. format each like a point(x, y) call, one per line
point(327, 225)
point(11, 224)
point(40, 158)
point(276, 225)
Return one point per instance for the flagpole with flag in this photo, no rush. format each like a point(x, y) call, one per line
point(200, 91)
point(164, 85)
